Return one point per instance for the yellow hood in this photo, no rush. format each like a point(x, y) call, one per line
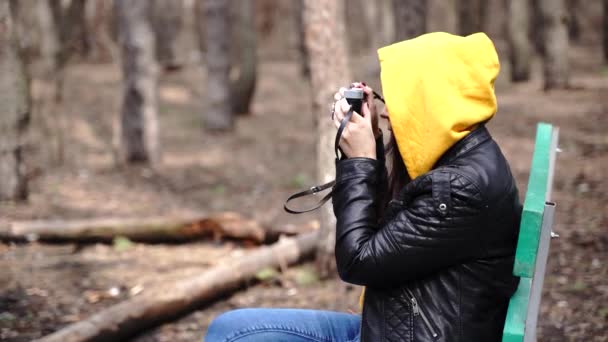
point(438, 87)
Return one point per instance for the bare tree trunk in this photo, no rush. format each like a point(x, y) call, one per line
point(67, 28)
point(375, 23)
point(358, 35)
point(74, 29)
point(167, 20)
point(386, 21)
point(471, 14)
point(245, 63)
point(139, 121)
point(52, 52)
point(27, 29)
point(444, 14)
point(370, 25)
point(14, 110)
point(605, 30)
point(200, 23)
point(303, 52)
point(219, 112)
point(57, 11)
point(518, 25)
point(62, 56)
point(267, 11)
point(555, 37)
point(410, 18)
point(325, 41)
point(60, 35)
point(51, 43)
point(537, 28)
point(574, 26)
point(102, 47)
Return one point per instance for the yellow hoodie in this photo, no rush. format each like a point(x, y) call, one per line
point(438, 88)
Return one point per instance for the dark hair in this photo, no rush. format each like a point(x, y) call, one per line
point(397, 171)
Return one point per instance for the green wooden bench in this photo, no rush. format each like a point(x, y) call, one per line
point(534, 236)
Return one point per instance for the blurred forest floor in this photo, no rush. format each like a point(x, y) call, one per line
point(252, 171)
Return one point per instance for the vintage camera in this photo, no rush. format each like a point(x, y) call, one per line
point(354, 97)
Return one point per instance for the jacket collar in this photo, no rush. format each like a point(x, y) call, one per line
point(472, 140)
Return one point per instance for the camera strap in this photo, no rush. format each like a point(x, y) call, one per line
point(318, 188)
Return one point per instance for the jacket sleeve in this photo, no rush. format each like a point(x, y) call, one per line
point(423, 237)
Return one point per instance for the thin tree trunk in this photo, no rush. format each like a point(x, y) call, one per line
point(386, 21)
point(219, 112)
point(245, 63)
point(167, 20)
point(52, 52)
point(537, 28)
point(355, 21)
point(51, 43)
point(75, 35)
point(325, 41)
point(62, 54)
point(14, 110)
point(57, 11)
point(26, 26)
point(102, 48)
point(371, 10)
point(200, 23)
point(68, 29)
point(555, 34)
point(471, 16)
point(605, 33)
point(444, 14)
point(303, 51)
point(520, 47)
point(574, 26)
point(139, 121)
point(267, 11)
point(410, 18)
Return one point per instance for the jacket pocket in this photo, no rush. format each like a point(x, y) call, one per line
point(419, 312)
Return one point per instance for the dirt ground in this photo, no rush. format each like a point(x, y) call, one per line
point(270, 155)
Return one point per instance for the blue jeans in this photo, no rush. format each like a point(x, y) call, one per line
point(282, 325)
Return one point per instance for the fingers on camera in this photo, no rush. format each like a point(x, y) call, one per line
point(344, 106)
point(338, 119)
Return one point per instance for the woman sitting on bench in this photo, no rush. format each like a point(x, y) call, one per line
point(434, 243)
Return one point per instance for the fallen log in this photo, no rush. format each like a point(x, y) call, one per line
point(155, 229)
point(123, 320)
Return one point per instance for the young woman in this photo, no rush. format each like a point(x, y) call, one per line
point(434, 243)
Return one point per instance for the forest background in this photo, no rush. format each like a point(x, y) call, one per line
point(127, 110)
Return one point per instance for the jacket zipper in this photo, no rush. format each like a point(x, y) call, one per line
point(419, 312)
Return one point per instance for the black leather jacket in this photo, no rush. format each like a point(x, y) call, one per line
point(438, 264)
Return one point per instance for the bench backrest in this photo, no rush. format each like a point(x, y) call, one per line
point(533, 241)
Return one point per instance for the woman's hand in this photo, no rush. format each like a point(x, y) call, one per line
point(370, 108)
point(358, 138)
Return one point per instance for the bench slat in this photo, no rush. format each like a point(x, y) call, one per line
point(534, 204)
point(516, 315)
point(533, 242)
